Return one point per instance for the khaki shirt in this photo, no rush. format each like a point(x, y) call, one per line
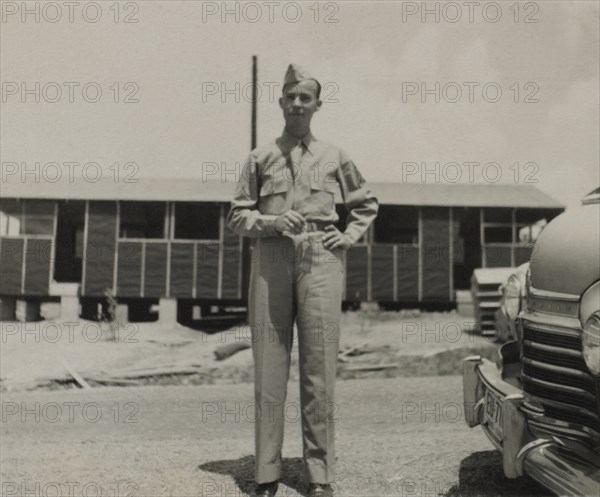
point(302, 175)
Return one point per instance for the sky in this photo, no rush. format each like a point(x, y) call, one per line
point(414, 91)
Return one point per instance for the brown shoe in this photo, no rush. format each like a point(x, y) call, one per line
point(320, 490)
point(266, 489)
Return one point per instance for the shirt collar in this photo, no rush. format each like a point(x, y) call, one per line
point(290, 141)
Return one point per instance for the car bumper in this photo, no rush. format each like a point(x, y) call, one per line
point(503, 413)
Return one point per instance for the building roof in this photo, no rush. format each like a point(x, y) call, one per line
point(464, 195)
point(195, 189)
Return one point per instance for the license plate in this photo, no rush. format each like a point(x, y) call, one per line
point(493, 414)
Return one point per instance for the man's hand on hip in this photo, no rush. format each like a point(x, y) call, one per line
point(290, 221)
point(334, 239)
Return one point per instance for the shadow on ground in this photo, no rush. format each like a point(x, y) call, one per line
point(242, 472)
point(481, 475)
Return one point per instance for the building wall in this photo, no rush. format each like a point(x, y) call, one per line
point(99, 247)
point(421, 270)
point(26, 248)
point(169, 267)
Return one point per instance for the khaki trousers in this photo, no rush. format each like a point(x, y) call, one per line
point(293, 279)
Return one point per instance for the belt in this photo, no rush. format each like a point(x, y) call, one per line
point(309, 228)
point(318, 225)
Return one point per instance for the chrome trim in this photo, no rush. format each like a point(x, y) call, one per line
point(561, 405)
point(471, 390)
point(560, 387)
point(558, 369)
point(560, 325)
point(531, 410)
point(514, 434)
point(553, 348)
point(527, 447)
point(573, 431)
point(491, 378)
point(547, 294)
point(564, 470)
point(554, 307)
point(478, 411)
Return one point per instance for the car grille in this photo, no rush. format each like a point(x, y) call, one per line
point(555, 374)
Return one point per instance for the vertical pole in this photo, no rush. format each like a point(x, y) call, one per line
point(395, 270)
point(420, 267)
point(170, 225)
point(143, 272)
point(86, 230)
point(221, 251)
point(482, 238)
point(24, 265)
point(116, 261)
point(451, 253)
point(513, 248)
point(254, 98)
point(53, 246)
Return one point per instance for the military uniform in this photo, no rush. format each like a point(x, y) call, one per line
point(295, 278)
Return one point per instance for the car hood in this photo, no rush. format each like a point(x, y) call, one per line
point(566, 256)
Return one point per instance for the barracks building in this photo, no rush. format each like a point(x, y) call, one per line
point(165, 241)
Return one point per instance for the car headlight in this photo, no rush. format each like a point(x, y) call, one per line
point(512, 297)
point(591, 343)
point(589, 315)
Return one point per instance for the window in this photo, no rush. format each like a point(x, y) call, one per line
point(497, 215)
point(31, 217)
point(142, 219)
point(498, 234)
point(38, 218)
point(11, 216)
point(197, 221)
point(529, 216)
point(530, 223)
point(529, 233)
point(395, 224)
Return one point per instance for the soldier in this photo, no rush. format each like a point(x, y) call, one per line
point(284, 201)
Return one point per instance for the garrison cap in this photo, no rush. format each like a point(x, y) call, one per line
point(295, 74)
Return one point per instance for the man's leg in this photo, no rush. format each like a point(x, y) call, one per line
point(270, 305)
point(319, 281)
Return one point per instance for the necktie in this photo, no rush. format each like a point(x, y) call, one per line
point(294, 198)
point(294, 161)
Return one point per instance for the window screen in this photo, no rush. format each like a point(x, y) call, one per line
point(397, 224)
point(197, 221)
point(142, 219)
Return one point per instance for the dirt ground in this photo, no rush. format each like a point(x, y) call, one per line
point(405, 343)
point(400, 428)
point(395, 437)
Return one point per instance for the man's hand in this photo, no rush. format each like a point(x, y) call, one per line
point(334, 238)
point(290, 221)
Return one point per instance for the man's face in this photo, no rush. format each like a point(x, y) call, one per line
point(299, 102)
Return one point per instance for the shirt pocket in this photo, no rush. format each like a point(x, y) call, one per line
point(271, 186)
point(321, 199)
point(273, 197)
point(324, 184)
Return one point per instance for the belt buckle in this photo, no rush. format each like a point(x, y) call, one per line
point(314, 226)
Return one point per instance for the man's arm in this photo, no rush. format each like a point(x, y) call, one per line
point(244, 218)
point(360, 202)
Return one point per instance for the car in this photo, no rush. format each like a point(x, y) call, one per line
point(512, 300)
point(539, 404)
